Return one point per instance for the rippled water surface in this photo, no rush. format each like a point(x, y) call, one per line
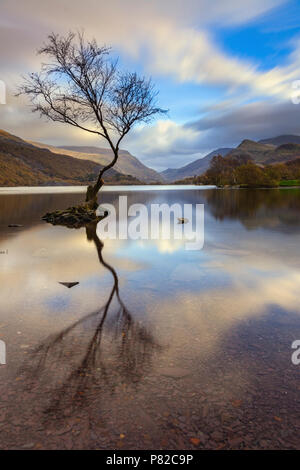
point(157, 347)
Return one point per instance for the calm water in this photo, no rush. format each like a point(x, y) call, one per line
point(157, 347)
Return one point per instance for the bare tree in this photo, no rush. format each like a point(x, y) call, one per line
point(82, 86)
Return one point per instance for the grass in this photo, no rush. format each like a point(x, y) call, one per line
point(289, 183)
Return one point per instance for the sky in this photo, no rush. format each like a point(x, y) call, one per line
point(226, 70)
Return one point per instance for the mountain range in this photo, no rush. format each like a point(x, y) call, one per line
point(267, 153)
point(127, 164)
point(197, 167)
point(27, 163)
point(281, 140)
point(278, 149)
point(24, 164)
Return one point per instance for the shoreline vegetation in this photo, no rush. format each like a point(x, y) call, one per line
point(242, 172)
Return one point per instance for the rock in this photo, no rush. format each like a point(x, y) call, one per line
point(201, 436)
point(102, 212)
point(182, 220)
point(74, 217)
point(195, 441)
point(235, 442)
point(69, 284)
point(30, 445)
point(15, 225)
point(174, 372)
point(217, 436)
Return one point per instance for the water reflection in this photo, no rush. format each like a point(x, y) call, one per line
point(270, 208)
point(99, 351)
point(274, 209)
point(155, 340)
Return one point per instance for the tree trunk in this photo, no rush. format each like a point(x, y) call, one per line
point(92, 193)
point(93, 190)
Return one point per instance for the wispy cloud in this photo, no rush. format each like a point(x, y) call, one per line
point(173, 145)
point(172, 39)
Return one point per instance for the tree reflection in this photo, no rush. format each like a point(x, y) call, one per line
point(256, 207)
point(97, 353)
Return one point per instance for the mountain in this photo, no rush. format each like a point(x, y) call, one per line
point(281, 140)
point(26, 163)
point(274, 150)
point(284, 153)
point(197, 167)
point(23, 164)
point(267, 153)
point(127, 164)
point(256, 151)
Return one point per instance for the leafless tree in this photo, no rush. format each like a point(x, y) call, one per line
point(81, 85)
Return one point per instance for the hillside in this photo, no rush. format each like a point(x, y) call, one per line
point(256, 151)
point(264, 154)
point(127, 163)
point(31, 163)
point(274, 150)
point(197, 167)
point(22, 164)
point(281, 140)
point(284, 153)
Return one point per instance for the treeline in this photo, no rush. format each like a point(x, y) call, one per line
point(242, 171)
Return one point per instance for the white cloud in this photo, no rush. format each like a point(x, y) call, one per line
point(191, 55)
point(187, 142)
point(169, 37)
point(164, 144)
point(174, 31)
point(164, 136)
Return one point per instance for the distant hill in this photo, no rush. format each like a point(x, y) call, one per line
point(30, 163)
point(282, 139)
point(254, 150)
point(127, 164)
point(23, 164)
point(279, 149)
point(284, 153)
point(265, 154)
point(197, 167)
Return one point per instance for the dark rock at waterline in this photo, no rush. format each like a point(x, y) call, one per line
point(182, 220)
point(69, 284)
point(73, 217)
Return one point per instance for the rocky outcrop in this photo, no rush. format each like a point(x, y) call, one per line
point(73, 217)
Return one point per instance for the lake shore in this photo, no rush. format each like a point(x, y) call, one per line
point(106, 188)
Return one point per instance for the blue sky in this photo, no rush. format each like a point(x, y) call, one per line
point(267, 40)
point(224, 68)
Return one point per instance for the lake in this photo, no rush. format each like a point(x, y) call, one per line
point(157, 346)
